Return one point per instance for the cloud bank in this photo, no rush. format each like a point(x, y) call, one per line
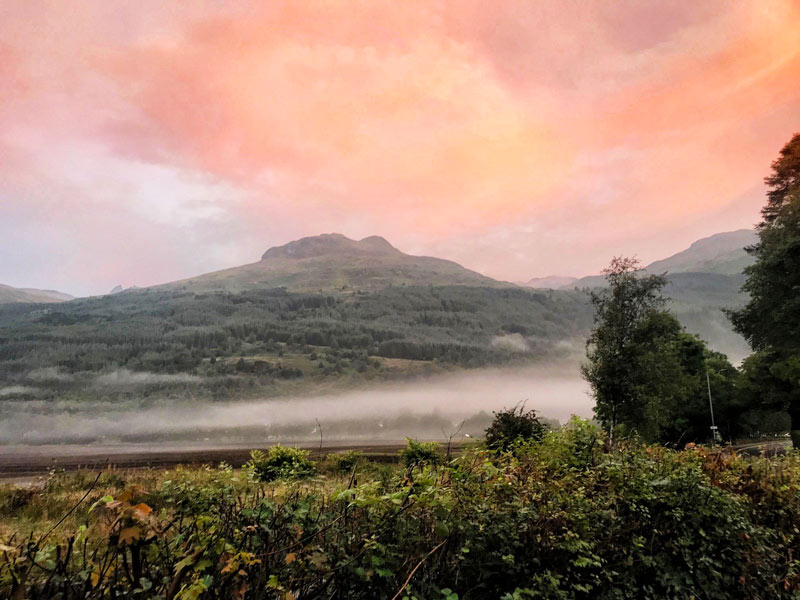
point(144, 143)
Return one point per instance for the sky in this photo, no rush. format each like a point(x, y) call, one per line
point(146, 142)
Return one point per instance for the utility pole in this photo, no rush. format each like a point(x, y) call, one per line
point(714, 430)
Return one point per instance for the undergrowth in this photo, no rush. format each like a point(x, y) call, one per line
point(562, 517)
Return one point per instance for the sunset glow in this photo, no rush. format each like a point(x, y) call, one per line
point(142, 142)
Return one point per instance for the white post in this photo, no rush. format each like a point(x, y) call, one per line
point(714, 432)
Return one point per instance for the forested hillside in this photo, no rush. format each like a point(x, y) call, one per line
point(702, 282)
point(320, 309)
point(221, 343)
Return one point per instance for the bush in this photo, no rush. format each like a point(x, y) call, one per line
point(420, 453)
point(345, 462)
point(281, 462)
point(512, 425)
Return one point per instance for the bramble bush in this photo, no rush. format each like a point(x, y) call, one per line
point(514, 425)
point(345, 462)
point(417, 454)
point(280, 462)
point(563, 518)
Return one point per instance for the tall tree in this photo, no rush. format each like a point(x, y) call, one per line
point(621, 309)
point(770, 321)
point(647, 374)
point(784, 179)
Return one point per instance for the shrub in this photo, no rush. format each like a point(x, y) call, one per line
point(512, 425)
point(281, 462)
point(577, 445)
point(345, 462)
point(420, 453)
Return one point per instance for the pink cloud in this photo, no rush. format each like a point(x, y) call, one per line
point(462, 127)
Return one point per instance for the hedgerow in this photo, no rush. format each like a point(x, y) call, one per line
point(563, 517)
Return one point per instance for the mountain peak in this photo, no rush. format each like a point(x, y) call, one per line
point(376, 242)
point(333, 262)
point(328, 244)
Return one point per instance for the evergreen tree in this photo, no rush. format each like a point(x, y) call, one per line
point(770, 321)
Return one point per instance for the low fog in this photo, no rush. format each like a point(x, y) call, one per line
point(421, 408)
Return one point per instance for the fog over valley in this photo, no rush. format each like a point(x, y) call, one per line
point(420, 407)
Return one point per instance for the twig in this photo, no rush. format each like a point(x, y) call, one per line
point(320, 437)
point(71, 510)
point(414, 570)
point(301, 541)
point(451, 436)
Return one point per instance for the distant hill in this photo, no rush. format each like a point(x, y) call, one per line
point(10, 295)
point(331, 262)
point(323, 310)
point(551, 282)
point(268, 342)
point(702, 280)
point(722, 253)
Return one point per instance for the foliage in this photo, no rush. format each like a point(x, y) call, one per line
point(512, 425)
point(624, 315)
point(784, 179)
point(648, 376)
point(770, 320)
point(346, 462)
point(281, 462)
point(417, 453)
point(684, 409)
point(564, 517)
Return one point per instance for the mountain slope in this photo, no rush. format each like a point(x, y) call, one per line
point(702, 281)
point(9, 295)
point(551, 282)
point(268, 342)
point(334, 262)
point(722, 253)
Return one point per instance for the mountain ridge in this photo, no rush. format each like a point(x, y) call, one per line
point(550, 282)
point(333, 261)
point(327, 244)
point(721, 253)
point(702, 281)
point(11, 295)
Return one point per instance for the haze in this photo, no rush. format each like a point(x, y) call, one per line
point(555, 391)
point(144, 143)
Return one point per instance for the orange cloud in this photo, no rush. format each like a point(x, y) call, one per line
point(380, 122)
point(463, 127)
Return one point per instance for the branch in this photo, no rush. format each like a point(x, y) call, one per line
point(414, 570)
